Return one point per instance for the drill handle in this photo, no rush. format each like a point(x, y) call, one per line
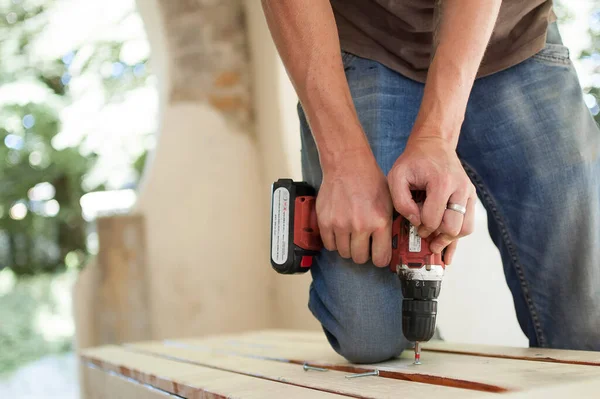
point(295, 236)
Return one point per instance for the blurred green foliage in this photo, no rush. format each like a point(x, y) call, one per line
point(21, 337)
point(592, 57)
point(42, 230)
point(39, 231)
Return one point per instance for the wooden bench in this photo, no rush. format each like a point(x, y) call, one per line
point(270, 364)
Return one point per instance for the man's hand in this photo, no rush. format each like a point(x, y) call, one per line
point(354, 204)
point(430, 163)
point(353, 207)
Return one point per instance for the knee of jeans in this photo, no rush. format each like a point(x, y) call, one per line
point(368, 343)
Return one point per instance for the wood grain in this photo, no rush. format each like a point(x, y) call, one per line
point(589, 389)
point(111, 385)
point(189, 381)
point(272, 369)
point(535, 354)
point(508, 374)
point(269, 364)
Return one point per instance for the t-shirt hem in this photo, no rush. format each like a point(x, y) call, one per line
point(517, 57)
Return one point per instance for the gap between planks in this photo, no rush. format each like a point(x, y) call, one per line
point(191, 381)
point(547, 355)
point(172, 353)
point(580, 358)
point(170, 373)
point(493, 371)
point(280, 347)
point(576, 357)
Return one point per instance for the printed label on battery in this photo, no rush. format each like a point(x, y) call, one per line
point(414, 240)
point(280, 228)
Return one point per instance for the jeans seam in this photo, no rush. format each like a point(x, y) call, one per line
point(551, 58)
point(508, 242)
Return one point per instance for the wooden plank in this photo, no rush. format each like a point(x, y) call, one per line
point(535, 354)
point(589, 358)
point(104, 385)
point(332, 381)
point(440, 368)
point(589, 389)
point(187, 380)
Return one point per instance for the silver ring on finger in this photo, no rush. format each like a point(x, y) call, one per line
point(457, 208)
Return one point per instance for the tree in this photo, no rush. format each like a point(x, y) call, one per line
point(591, 57)
point(41, 224)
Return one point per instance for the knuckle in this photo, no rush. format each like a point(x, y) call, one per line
point(465, 182)
point(445, 240)
point(390, 177)
point(358, 225)
point(380, 222)
point(444, 185)
point(328, 242)
point(339, 223)
point(401, 206)
point(325, 223)
point(451, 229)
point(430, 225)
point(466, 230)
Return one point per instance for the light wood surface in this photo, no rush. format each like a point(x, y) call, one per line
point(115, 386)
point(260, 363)
point(545, 355)
point(507, 374)
point(190, 381)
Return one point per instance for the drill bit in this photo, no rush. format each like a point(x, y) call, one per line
point(417, 352)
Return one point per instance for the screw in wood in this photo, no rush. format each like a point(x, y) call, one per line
point(306, 367)
point(374, 372)
point(417, 352)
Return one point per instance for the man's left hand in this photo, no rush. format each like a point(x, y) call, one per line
point(430, 163)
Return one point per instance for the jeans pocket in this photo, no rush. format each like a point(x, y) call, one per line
point(555, 54)
point(347, 58)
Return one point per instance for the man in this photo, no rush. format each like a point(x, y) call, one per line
point(459, 98)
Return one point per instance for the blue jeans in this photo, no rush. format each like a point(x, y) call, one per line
point(532, 149)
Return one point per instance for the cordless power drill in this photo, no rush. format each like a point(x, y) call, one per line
point(295, 240)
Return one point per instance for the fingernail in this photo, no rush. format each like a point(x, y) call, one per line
point(412, 219)
point(436, 248)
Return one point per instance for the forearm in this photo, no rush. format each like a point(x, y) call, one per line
point(462, 33)
point(306, 37)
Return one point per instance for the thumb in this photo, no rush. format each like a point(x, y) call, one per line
point(403, 200)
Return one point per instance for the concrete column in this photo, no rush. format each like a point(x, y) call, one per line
point(203, 193)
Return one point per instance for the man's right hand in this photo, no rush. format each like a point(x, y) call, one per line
point(354, 206)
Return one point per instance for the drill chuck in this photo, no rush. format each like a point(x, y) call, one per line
point(419, 308)
point(418, 319)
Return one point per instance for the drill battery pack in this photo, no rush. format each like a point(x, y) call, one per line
point(295, 237)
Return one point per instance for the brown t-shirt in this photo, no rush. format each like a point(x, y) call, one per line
point(399, 33)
